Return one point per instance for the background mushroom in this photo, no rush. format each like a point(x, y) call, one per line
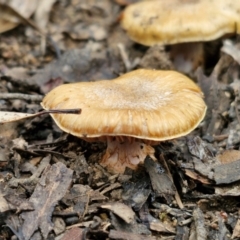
point(131, 113)
point(176, 21)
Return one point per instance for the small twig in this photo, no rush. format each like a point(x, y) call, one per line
point(128, 64)
point(67, 111)
point(60, 111)
point(111, 187)
point(124, 56)
point(185, 222)
point(27, 97)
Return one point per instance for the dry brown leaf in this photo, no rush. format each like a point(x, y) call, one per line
point(17, 203)
point(198, 148)
point(51, 188)
point(229, 190)
point(227, 173)
point(9, 11)
point(229, 156)
point(73, 234)
point(161, 182)
point(4, 206)
point(197, 177)
point(236, 230)
point(121, 210)
point(41, 15)
point(161, 227)
point(7, 117)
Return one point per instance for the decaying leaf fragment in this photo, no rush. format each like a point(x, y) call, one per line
point(161, 227)
point(161, 183)
point(50, 189)
point(4, 206)
point(236, 231)
point(74, 234)
point(227, 173)
point(199, 231)
point(122, 210)
point(12, 11)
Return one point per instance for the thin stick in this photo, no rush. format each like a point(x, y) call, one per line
point(27, 97)
point(60, 111)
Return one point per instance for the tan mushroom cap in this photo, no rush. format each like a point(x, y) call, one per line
point(178, 21)
point(146, 104)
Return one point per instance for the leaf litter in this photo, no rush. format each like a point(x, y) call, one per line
point(51, 185)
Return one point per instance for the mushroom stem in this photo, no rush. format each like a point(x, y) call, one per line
point(127, 152)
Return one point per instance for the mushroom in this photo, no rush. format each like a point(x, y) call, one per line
point(131, 113)
point(184, 23)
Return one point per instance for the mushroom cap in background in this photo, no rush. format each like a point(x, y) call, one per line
point(178, 21)
point(146, 104)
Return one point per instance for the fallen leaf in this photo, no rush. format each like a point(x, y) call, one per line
point(50, 189)
point(226, 173)
point(161, 182)
point(197, 177)
point(161, 227)
point(199, 148)
point(41, 15)
point(229, 156)
point(10, 12)
point(73, 234)
point(18, 203)
point(228, 190)
point(4, 206)
point(7, 117)
point(136, 192)
point(236, 230)
point(121, 210)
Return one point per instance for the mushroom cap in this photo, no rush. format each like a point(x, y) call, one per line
point(178, 21)
point(146, 104)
